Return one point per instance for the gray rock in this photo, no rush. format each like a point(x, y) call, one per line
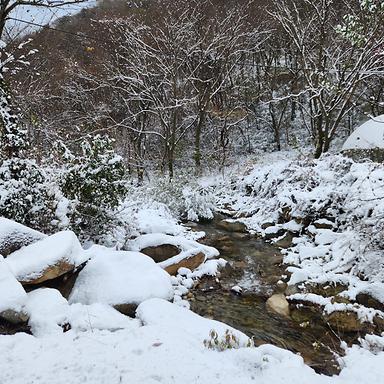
point(14, 317)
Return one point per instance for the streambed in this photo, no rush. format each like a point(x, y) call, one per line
point(256, 266)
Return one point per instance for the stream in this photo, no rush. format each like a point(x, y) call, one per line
point(256, 266)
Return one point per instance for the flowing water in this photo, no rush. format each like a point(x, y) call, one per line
point(256, 266)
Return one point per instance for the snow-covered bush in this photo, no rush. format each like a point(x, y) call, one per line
point(184, 197)
point(94, 183)
point(27, 194)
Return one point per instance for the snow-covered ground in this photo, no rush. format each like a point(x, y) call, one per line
point(166, 345)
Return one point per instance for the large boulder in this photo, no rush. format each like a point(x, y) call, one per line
point(46, 259)
point(12, 296)
point(122, 279)
point(13, 236)
point(173, 252)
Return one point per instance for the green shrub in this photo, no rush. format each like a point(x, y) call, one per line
point(94, 183)
point(26, 194)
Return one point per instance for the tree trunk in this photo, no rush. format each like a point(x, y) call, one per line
point(198, 130)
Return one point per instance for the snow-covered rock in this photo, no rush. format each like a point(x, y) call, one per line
point(47, 310)
point(12, 296)
point(367, 136)
point(192, 254)
point(367, 141)
point(46, 259)
point(50, 313)
point(13, 236)
point(120, 278)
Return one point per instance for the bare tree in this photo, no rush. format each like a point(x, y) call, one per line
point(335, 55)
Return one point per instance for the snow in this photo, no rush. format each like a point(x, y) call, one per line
point(49, 311)
point(31, 261)
point(15, 233)
point(12, 294)
point(168, 347)
point(367, 136)
point(156, 312)
point(120, 277)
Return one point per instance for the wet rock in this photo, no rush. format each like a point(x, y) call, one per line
point(226, 249)
point(278, 303)
point(7, 328)
point(379, 323)
point(323, 224)
point(370, 302)
point(326, 290)
point(191, 263)
point(340, 299)
point(207, 283)
point(346, 321)
point(273, 232)
point(281, 286)
point(305, 313)
point(241, 236)
point(232, 226)
point(285, 215)
point(267, 224)
point(161, 252)
point(292, 289)
point(223, 240)
point(285, 241)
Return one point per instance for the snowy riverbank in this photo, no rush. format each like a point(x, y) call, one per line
point(165, 342)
